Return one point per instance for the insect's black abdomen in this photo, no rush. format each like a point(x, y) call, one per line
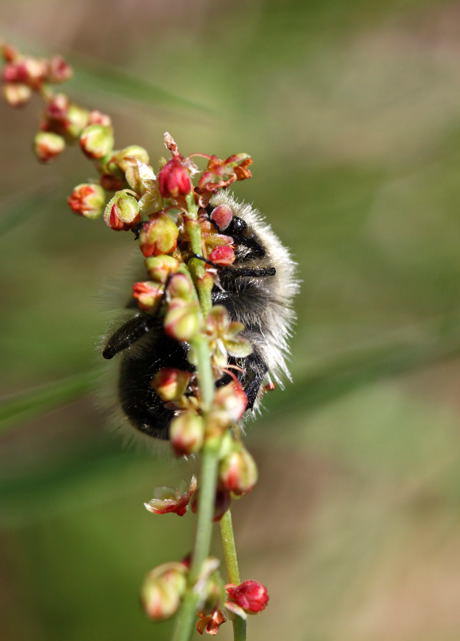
point(144, 409)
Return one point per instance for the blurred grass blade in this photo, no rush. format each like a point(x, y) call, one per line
point(94, 76)
point(359, 369)
point(34, 402)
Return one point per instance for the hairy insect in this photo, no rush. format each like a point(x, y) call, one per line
point(257, 290)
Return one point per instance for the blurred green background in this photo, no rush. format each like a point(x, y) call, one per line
point(351, 111)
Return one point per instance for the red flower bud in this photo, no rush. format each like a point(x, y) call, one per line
point(174, 179)
point(222, 216)
point(223, 255)
point(148, 294)
point(96, 141)
point(252, 596)
point(48, 145)
point(16, 95)
point(87, 200)
point(187, 433)
point(238, 471)
point(158, 236)
point(58, 70)
point(122, 212)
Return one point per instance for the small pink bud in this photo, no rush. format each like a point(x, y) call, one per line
point(171, 384)
point(187, 433)
point(161, 267)
point(58, 70)
point(148, 294)
point(158, 236)
point(238, 471)
point(211, 622)
point(222, 216)
point(87, 200)
point(96, 141)
point(182, 320)
point(99, 118)
point(223, 255)
point(48, 145)
point(231, 399)
point(174, 179)
point(16, 95)
point(163, 589)
point(122, 211)
point(252, 596)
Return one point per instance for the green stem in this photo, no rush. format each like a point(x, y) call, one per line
point(186, 618)
point(231, 564)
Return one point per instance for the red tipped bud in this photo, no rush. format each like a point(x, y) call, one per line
point(252, 596)
point(161, 267)
point(96, 141)
point(87, 200)
point(238, 471)
point(48, 145)
point(163, 589)
point(122, 211)
point(187, 433)
point(222, 216)
point(180, 286)
point(231, 400)
point(148, 294)
point(174, 179)
point(223, 255)
point(98, 118)
point(159, 236)
point(171, 384)
point(16, 95)
point(58, 70)
point(182, 320)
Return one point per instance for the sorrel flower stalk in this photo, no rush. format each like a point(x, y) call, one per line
point(181, 251)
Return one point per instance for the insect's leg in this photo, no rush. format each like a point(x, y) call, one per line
point(128, 334)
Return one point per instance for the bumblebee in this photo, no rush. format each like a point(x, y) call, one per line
point(257, 290)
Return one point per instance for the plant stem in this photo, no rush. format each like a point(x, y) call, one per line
point(231, 564)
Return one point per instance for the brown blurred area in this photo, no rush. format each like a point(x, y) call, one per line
point(352, 114)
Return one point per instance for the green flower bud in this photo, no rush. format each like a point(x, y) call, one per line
point(159, 236)
point(48, 145)
point(187, 433)
point(122, 211)
point(161, 267)
point(96, 141)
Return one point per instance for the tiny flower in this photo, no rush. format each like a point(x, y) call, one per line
point(96, 141)
point(187, 433)
point(141, 177)
point(96, 117)
point(225, 337)
point(182, 320)
point(222, 216)
point(122, 211)
point(163, 589)
point(252, 596)
point(174, 179)
point(158, 236)
point(223, 255)
point(58, 70)
point(171, 384)
point(48, 145)
point(87, 200)
point(169, 501)
point(180, 286)
point(231, 399)
point(16, 94)
point(130, 154)
point(238, 471)
point(222, 173)
point(161, 267)
point(211, 622)
point(148, 295)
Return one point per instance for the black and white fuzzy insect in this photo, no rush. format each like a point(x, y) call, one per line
point(257, 291)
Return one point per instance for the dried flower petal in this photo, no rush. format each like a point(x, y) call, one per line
point(169, 501)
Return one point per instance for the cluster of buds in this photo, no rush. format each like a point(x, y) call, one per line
point(165, 586)
point(182, 246)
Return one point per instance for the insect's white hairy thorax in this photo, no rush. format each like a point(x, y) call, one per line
point(277, 318)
